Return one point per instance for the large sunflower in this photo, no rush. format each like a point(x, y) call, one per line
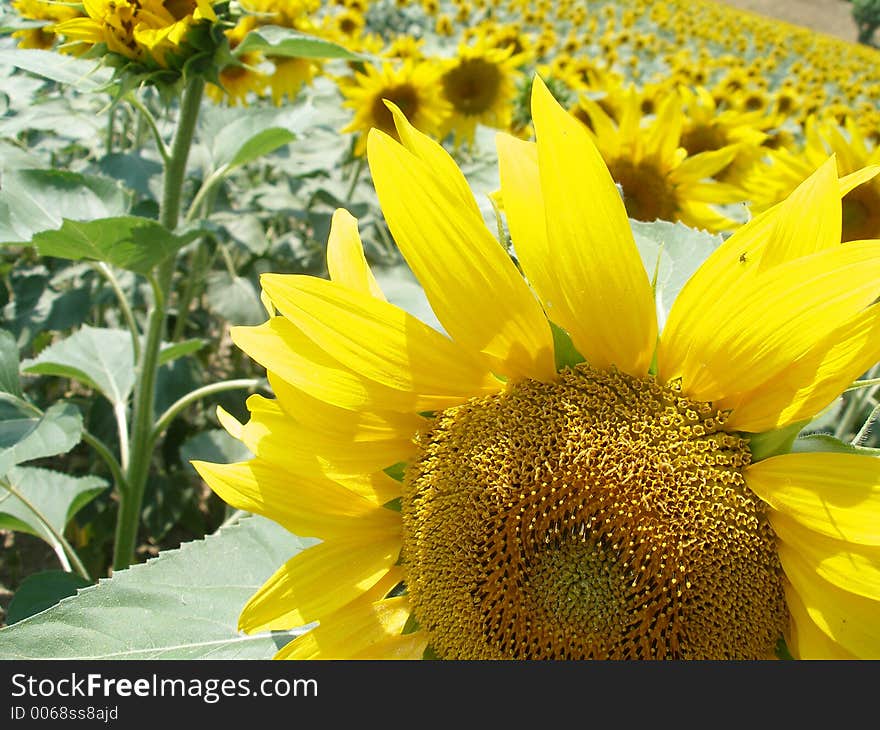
point(660, 180)
point(550, 506)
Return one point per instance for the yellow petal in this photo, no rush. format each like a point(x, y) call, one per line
point(378, 340)
point(859, 177)
point(283, 349)
point(727, 270)
point(434, 156)
point(362, 444)
point(665, 134)
point(319, 581)
point(813, 381)
point(854, 568)
point(807, 640)
point(704, 164)
point(604, 291)
point(355, 626)
point(345, 255)
point(361, 634)
point(781, 315)
point(850, 620)
point(837, 495)
point(469, 279)
point(306, 507)
point(524, 210)
point(809, 220)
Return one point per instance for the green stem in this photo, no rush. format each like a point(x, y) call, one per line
point(862, 435)
point(355, 178)
point(175, 408)
point(859, 384)
point(67, 548)
point(207, 186)
point(128, 520)
point(111, 123)
point(107, 456)
point(151, 122)
point(127, 314)
point(197, 264)
point(854, 407)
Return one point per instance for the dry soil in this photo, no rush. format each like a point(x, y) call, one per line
point(832, 17)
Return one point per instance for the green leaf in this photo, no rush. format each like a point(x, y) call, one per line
point(57, 431)
point(9, 380)
point(173, 351)
point(274, 40)
point(78, 73)
point(129, 242)
point(41, 590)
point(35, 498)
point(675, 251)
point(99, 357)
point(183, 604)
point(39, 200)
point(238, 137)
point(261, 144)
point(234, 298)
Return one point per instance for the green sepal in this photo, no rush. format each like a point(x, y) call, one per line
point(564, 351)
point(773, 443)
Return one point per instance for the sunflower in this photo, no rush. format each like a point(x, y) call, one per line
point(42, 37)
point(480, 85)
point(658, 177)
point(706, 128)
point(775, 179)
point(413, 86)
point(137, 29)
point(487, 493)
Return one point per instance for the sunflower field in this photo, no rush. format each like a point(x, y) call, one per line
point(446, 329)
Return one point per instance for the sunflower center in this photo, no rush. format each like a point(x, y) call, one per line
point(861, 213)
point(472, 86)
point(703, 138)
point(597, 516)
point(404, 96)
point(646, 193)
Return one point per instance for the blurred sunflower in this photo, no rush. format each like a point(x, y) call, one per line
point(658, 177)
point(137, 29)
point(480, 85)
point(786, 169)
point(610, 507)
point(413, 86)
point(43, 37)
point(246, 75)
point(706, 128)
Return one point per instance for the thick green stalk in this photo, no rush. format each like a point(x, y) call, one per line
point(143, 416)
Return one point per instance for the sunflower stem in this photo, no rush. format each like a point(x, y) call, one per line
point(142, 441)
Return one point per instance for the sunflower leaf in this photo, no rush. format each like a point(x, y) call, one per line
point(184, 604)
point(273, 40)
point(98, 357)
point(129, 242)
point(39, 200)
point(78, 73)
point(26, 437)
point(41, 502)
